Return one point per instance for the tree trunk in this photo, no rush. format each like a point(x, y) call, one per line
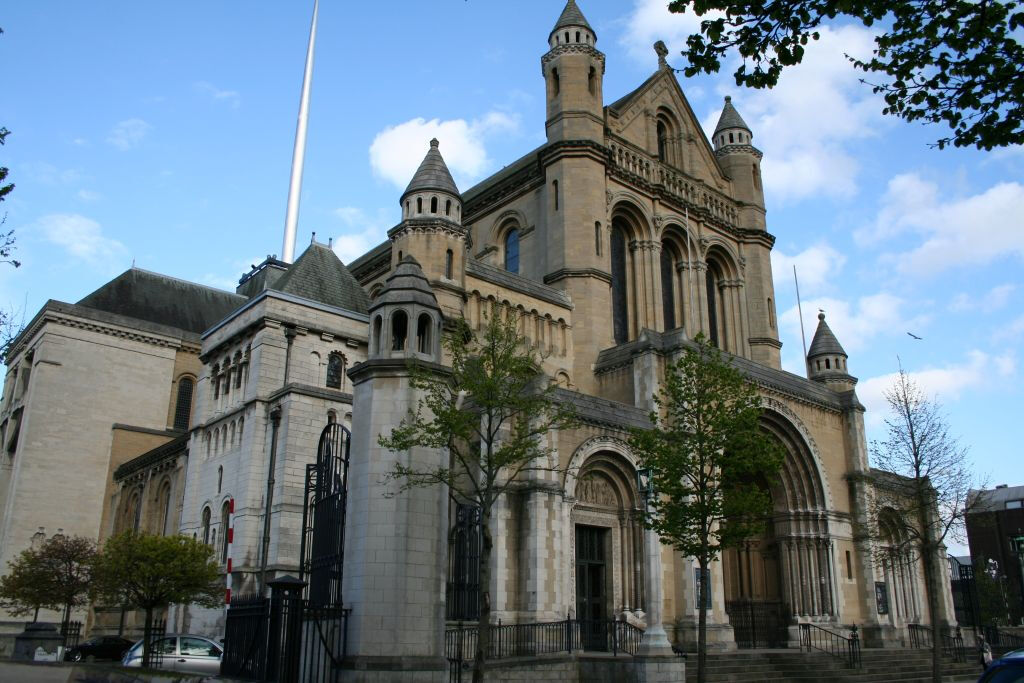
point(702, 620)
point(483, 623)
point(932, 595)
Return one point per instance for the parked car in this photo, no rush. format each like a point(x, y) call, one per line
point(100, 647)
point(180, 652)
point(1007, 669)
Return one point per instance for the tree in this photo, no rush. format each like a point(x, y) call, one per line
point(492, 414)
point(956, 63)
point(921, 493)
point(57, 575)
point(145, 571)
point(708, 459)
point(9, 329)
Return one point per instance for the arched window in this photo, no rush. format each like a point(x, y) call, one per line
point(433, 205)
point(554, 81)
point(220, 477)
point(668, 296)
point(620, 303)
point(215, 377)
point(335, 369)
point(592, 81)
point(448, 207)
point(135, 509)
point(713, 278)
point(225, 537)
point(183, 406)
point(423, 333)
point(377, 324)
point(332, 417)
point(554, 191)
point(662, 141)
point(448, 258)
point(419, 207)
point(597, 237)
point(399, 330)
point(206, 525)
point(512, 251)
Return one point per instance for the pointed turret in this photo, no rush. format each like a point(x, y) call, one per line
point(574, 70)
point(731, 128)
point(826, 359)
point(431, 229)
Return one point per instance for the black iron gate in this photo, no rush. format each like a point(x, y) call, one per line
point(299, 632)
point(757, 623)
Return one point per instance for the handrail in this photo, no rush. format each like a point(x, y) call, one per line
point(997, 638)
point(847, 649)
point(922, 636)
point(538, 638)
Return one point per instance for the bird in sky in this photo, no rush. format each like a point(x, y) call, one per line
point(914, 336)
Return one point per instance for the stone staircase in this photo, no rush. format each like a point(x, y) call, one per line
point(794, 666)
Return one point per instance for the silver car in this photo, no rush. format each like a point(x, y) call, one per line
point(184, 652)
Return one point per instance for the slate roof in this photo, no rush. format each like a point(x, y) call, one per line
point(994, 499)
point(824, 342)
point(407, 284)
point(319, 275)
point(731, 118)
point(152, 457)
point(164, 300)
point(432, 174)
point(572, 16)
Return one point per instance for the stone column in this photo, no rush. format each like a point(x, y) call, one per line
point(655, 642)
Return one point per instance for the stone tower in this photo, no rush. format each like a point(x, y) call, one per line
point(573, 69)
point(431, 230)
point(741, 161)
point(826, 359)
point(395, 546)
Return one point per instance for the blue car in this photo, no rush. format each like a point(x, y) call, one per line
point(1007, 669)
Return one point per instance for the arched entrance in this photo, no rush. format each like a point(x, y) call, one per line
point(607, 544)
point(785, 575)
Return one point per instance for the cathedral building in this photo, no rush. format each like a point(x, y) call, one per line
point(616, 242)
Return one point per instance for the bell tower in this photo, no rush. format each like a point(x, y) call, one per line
point(573, 72)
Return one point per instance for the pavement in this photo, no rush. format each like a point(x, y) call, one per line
point(40, 672)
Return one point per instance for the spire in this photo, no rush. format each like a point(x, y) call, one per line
point(299, 153)
point(730, 118)
point(572, 16)
point(826, 359)
point(432, 174)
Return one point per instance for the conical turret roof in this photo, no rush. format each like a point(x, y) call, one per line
point(572, 16)
point(825, 342)
point(407, 284)
point(432, 174)
point(730, 118)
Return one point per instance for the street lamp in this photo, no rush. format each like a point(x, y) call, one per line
point(645, 483)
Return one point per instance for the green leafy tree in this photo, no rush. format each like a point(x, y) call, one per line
point(9, 328)
point(493, 414)
point(921, 493)
point(937, 61)
point(57, 575)
point(144, 571)
point(708, 459)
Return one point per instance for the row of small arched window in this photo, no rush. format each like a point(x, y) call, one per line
point(399, 332)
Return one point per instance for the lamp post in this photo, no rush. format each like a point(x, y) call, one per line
point(655, 640)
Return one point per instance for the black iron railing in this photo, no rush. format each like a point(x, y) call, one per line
point(997, 638)
point(844, 648)
point(71, 632)
point(952, 644)
point(522, 640)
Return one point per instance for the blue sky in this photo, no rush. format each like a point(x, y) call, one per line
point(162, 133)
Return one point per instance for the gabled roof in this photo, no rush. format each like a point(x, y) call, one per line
point(730, 118)
point(824, 342)
point(319, 275)
point(572, 16)
point(432, 174)
point(156, 298)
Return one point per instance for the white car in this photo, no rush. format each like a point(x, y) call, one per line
point(180, 652)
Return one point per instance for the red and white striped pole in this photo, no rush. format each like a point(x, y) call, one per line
point(231, 541)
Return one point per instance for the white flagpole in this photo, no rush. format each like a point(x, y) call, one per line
point(299, 154)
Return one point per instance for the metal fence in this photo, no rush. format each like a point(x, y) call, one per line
point(71, 632)
point(527, 640)
point(952, 644)
point(153, 648)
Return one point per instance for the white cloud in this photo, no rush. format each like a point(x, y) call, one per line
point(83, 239)
point(969, 231)
point(806, 124)
point(361, 231)
point(48, 174)
point(854, 325)
point(128, 134)
point(945, 384)
point(396, 151)
point(816, 266)
point(231, 97)
point(995, 299)
point(88, 195)
point(1014, 331)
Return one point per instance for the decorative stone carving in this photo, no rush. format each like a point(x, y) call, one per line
point(594, 489)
